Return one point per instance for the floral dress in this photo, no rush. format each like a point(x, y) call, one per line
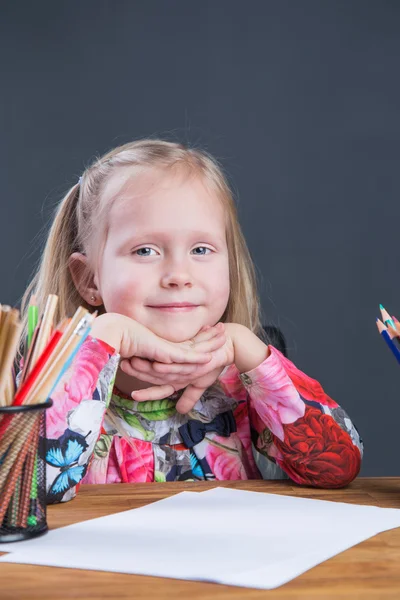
point(273, 422)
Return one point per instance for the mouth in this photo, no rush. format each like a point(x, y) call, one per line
point(176, 307)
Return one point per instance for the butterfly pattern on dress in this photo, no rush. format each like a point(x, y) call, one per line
point(64, 454)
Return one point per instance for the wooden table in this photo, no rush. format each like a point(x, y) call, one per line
point(369, 570)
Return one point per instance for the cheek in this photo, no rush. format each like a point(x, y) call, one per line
point(219, 288)
point(120, 288)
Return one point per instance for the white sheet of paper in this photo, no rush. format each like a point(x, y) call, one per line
point(223, 535)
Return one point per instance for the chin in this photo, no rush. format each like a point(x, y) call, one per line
point(176, 333)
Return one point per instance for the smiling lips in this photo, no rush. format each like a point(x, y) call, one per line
point(175, 307)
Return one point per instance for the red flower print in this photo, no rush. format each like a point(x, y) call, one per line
point(316, 451)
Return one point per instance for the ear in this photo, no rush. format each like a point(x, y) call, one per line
point(84, 279)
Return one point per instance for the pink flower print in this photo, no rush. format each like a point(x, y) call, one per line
point(224, 459)
point(136, 461)
point(97, 472)
point(274, 397)
point(113, 470)
point(310, 389)
point(90, 360)
point(255, 421)
point(231, 383)
point(243, 432)
point(77, 384)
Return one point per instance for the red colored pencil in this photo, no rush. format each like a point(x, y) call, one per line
point(42, 360)
point(32, 377)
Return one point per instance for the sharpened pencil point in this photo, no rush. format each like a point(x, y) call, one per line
point(386, 318)
point(380, 325)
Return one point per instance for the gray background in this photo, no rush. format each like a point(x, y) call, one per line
point(299, 100)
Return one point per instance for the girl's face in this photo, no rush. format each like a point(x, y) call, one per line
point(166, 244)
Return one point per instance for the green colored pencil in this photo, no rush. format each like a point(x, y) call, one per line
point(32, 518)
point(33, 317)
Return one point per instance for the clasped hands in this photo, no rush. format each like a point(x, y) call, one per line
point(195, 377)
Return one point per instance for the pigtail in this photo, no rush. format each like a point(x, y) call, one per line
point(53, 275)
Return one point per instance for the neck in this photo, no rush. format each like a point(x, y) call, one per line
point(127, 384)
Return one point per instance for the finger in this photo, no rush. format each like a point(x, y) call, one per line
point(177, 380)
point(179, 370)
point(141, 364)
point(203, 330)
point(158, 392)
point(208, 332)
point(178, 354)
point(127, 368)
point(145, 366)
point(190, 396)
point(155, 368)
point(183, 369)
point(212, 344)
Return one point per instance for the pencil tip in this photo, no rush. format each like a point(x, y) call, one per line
point(380, 326)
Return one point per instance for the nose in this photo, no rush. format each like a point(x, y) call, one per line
point(177, 275)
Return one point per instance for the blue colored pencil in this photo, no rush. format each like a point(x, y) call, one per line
point(385, 334)
point(71, 358)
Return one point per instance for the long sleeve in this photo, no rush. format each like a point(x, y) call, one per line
point(73, 423)
point(297, 429)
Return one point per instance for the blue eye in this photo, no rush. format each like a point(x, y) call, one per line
point(147, 248)
point(202, 248)
point(137, 251)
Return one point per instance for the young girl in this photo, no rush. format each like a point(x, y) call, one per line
point(174, 382)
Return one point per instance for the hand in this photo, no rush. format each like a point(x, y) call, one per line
point(131, 339)
point(211, 338)
point(172, 377)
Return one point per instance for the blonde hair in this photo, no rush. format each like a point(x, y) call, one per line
point(80, 211)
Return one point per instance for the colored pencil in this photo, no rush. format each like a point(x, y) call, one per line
point(32, 319)
point(396, 324)
point(46, 327)
point(386, 318)
point(9, 337)
point(22, 447)
point(37, 369)
point(48, 353)
point(46, 385)
point(385, 334)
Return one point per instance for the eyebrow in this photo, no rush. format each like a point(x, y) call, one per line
point(164, 235)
